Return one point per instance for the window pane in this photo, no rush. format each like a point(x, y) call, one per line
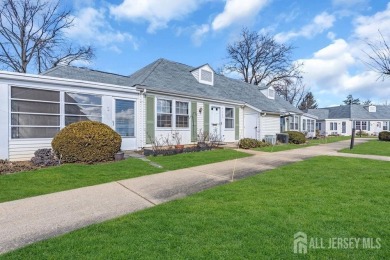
point(228, 123)
point(164, 106)
point(181, 121)
point(35, 94)
point(73, 119)
point(182, 108)
point(34, 132)
point(43, 120)
point(34, 107)
point(229, 112)
point(83, 110)
point(164, 120)
point(83, 99)
point(124, 117)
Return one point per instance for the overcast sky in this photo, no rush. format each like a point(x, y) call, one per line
point(329, 35)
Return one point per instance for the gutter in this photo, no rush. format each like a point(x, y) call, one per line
point(63, 81)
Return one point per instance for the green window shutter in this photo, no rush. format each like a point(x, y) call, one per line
point(150, 128)
point(194, 120)
point(237, 122)
point(206, 118)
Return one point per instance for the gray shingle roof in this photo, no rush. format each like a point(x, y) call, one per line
point(174, 77)
point(354, 112)
point(70, 72)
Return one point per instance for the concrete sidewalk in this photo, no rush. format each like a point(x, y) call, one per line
point(32, 219)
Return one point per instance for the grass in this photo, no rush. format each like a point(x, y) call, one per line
point(255, 218)
point(310, 142)
point(71, 176)
point(374, 147)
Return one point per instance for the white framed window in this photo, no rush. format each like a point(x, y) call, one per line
point(164, 113)
point(182, 114)
point(304, 125)
point(35, 113)
point(385, 125)
point(294, 122)
point(229, 117)
point(361, 125)
point(318, 126)
point(82, 107)
point(333, 126)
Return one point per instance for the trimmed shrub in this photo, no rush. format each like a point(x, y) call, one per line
point(384, 136)
point(295, 137)
point(86, 141)
point(44, 157)
point(248, 143)
point(361, 133)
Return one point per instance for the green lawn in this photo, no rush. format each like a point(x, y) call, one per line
point(310, 142)
point(71, 176)
point(374, 147)
point(255, 218)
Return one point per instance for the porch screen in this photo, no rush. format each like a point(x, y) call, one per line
point(35, 113)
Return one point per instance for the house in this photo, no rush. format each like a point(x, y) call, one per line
point(159, 99)
point(341, 119)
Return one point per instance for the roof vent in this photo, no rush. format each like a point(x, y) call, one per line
point(204, 74)
point(371, 109)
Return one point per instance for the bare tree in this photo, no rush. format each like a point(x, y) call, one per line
point(258, 58)
point(31, 36)
point(379, 57)
point(292, 91)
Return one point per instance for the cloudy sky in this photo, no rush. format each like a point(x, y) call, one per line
point(330, 36)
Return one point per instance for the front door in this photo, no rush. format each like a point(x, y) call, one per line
point(124, 122)
point(215, 122)
point(250, 125)
point(344, 127)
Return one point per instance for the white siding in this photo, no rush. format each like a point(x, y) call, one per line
point(4, 123)
point(24, 149)
point(270, 125)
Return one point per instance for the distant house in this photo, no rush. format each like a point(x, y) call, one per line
point(162, 97)
point(341, 119)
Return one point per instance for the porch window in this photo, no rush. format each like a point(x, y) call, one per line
point(164, 113)
point(182, 114)
point(124, 117)
point(333, 126)
point(35, 113)
point(82, 107)
point(294, 123)
point(304, 125)
point(229, 117)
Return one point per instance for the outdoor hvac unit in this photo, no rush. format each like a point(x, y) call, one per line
point(271, 139)
point(282, 138)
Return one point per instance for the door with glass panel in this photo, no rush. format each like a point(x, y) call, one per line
point(124, 122)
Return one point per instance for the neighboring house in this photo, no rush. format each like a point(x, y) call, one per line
point(159, 99)
point(340, 120)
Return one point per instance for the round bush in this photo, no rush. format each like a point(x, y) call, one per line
point(86, 141)
point(295, 137)
point(384, 136)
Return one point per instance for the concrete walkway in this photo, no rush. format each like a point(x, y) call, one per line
point(32, 219)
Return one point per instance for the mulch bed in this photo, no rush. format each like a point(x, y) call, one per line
point(7, 167)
